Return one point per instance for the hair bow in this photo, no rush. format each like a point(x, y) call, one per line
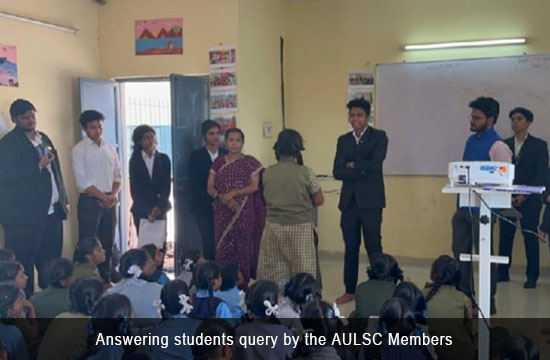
point(337, 311)
point(270, 309)
point(186, 307)
point(135, 271)
point(187, 264)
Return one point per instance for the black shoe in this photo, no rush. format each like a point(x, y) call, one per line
point(503, 277)
point(530, 284)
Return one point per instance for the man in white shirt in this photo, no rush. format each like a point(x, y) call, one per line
point(98, 178)
point(33, 200)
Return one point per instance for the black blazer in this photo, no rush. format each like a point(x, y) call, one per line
point(25, 190)
point(199, 169)
point(545, 226)
point(146, 192)
point(531, 163)
point(366, 180)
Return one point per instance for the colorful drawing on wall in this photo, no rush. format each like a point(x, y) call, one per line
point(8, 66)
point(159, 37)
point(223, 102)
point(223, 79)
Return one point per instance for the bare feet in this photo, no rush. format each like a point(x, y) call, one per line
point(346, 298)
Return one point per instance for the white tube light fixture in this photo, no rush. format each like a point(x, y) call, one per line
point(70, 30)
point(462, 44)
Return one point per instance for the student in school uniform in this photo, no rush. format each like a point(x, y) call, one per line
point(174, 305)
point(291, 192)
point(88, 254)
point(10, 305)
point(446, 301)
point(157, 255)
point(142, 294)
point(70, 328)
point(98, 176)
point(54, 300)
point(229, 290)
point(261, 302)
point(199, 167)
point(190, 261)
point(34, 200)
point(205, 303)
point(214, 328)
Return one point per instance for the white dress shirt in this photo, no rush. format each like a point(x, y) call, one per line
point(41, 148)
point(149, 161)
point(215, 155)
point(95, 165)
point(358, 138)
point(518, 145)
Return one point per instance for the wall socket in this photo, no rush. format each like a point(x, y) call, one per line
point(268, 132)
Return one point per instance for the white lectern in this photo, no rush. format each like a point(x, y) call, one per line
point(493, 197)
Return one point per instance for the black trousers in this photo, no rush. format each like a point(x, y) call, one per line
point(36, 245)
point(93, 220)
point(530, 212)
point(353, 221)
point(463, 230)
point(205, 222)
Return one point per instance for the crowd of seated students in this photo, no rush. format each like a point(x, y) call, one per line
point(65, 320)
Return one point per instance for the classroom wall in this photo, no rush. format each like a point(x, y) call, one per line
point(49, 61)
point(261, 24)
point(327, 38)
point(206, 23)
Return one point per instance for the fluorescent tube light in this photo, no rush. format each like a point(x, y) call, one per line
point(460, 44)
point(38, 22)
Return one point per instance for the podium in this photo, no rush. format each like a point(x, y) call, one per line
point(486, 198)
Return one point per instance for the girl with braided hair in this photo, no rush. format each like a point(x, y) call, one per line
point(450, 310)
point(205, 303)
point(262, 308)
point(11, 303)
point(396, 317)
point(291, 192)
point(83, 295)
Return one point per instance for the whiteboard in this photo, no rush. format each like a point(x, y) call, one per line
point(423, 107)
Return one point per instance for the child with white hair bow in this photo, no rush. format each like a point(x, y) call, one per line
point(142, 294)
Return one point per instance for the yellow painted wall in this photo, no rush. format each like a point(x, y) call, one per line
point(206, 23)
point(49, 62)
point(327, 38)
point(261, 24)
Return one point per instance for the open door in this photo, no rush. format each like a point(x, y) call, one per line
point(104, 96)
point(190, 107)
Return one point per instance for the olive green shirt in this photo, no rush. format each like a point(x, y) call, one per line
point(288, 189)
point(370, 296)
point(51, 302)
point(86, 270)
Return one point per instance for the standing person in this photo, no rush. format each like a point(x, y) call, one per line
point(150, 177)
point(239, 210)
point(201, 203)
point(34, 201)
point(358, 163)
point(291, 191)
point(530, 156)
point(545, 225)
point(98, 178)
point(484, 145)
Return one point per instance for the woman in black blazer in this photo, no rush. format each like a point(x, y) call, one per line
point(150, 177)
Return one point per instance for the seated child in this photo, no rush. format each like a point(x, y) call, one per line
point(229, 290)
point(157, 255)
point(189, 261)
point(11, 304)
point(54, 300)
point(88, 254)
point(445, 301)
point(214, 328)
point(519, 348)
point(205, 303)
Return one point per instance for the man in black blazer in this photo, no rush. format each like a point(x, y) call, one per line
point(530, 156)
point(34, 200)
point(201, 203)
point(358, 163)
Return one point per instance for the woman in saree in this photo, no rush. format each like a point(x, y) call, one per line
point(239, 210)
